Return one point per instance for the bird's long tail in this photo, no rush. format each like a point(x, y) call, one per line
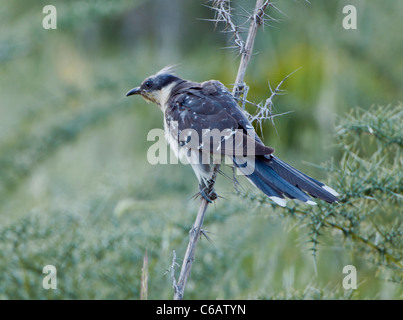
point(277, 180)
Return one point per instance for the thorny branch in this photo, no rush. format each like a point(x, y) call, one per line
point(223, 13)
point(265, 110)
point(257, 19)
point(240, 90)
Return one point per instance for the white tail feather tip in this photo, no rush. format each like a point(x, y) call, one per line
point(279, 201)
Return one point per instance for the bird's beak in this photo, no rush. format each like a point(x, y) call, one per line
point(136, 90)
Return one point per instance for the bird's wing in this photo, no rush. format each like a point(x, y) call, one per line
point(205, 116)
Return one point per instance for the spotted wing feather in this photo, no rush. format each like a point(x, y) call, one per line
point(205, 116)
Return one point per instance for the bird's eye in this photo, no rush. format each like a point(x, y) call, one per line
point(148, 83)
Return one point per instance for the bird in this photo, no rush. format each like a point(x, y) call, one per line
point(193, 111)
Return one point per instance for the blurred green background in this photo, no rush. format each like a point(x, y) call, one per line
point(77, 192)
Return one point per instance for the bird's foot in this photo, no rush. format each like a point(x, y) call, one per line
point(208, 193)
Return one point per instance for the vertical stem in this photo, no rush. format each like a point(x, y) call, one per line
point(190, 251)
point(193, 237)
point(250, 40)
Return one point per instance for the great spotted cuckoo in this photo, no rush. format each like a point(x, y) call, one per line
point(193, 111)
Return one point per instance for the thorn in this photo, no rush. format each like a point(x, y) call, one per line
point(204, 233)
point(221, 197)
point(210, 20)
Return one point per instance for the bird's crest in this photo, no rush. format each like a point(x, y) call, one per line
point(168, 69)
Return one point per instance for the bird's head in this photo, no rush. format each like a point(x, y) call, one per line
point(157, 88)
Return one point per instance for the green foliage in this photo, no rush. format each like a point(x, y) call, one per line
point(99, 250)
point(369, 178)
